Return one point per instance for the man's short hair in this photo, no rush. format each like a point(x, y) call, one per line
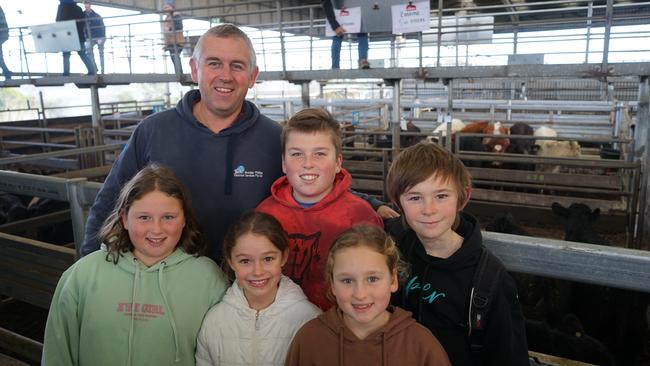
point(225, 30)
point(310, 120)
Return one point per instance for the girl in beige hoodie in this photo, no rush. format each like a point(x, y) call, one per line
point(362, 329)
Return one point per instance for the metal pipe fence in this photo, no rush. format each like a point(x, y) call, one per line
point(476, 36)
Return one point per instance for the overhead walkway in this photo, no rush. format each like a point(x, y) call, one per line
point(595, 71)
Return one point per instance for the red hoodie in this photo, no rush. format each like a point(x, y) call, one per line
point(312, 230)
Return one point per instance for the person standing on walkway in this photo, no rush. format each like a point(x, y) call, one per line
point(337, 40)
point(172, 28)
point(4, 35)
point(95, 32)
point(68, 10)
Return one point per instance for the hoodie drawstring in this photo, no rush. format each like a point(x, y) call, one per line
point(420, 297)
point(136, 279)
point(227, 189)
point(409, 259)
point(341, 330)
point(384, 356)
point(169, 310)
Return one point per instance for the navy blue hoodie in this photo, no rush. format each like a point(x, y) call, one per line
point(226, 173)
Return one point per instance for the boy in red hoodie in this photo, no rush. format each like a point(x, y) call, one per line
point(312, 201)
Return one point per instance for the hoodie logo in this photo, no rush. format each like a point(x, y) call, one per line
point(141, 311)
point(431, 296)
point(241, 172)
point(303, 249)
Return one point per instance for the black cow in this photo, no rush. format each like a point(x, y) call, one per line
point(578, 219)
point(11, 208)
point(521, 146)
point(568, 341)
point(57, 233)
point(541, 298)
point(616, 317)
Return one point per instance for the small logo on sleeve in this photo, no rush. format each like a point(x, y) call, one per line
point(241, 172)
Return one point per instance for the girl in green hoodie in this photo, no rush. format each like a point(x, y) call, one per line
point(141, 298)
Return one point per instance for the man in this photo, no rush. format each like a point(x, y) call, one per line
point(225, 151)
point(172, 29)
point(68, 10)
point(220, 145)
point(95, 32)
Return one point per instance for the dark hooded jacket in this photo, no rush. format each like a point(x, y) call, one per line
point(69, 10)
point(438, 291)
point(226, 173)
point(326, 341)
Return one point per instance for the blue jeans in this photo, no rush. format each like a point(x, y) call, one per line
point(84, 58)
point(362, 48)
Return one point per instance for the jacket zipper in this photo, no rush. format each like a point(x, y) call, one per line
point(257, 327)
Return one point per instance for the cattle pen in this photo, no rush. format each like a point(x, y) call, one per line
point(546, 102)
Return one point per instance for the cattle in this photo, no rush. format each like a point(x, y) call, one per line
point(491, 143)
point(541, 298)
point(569, 340)
point(441, 131)
point(11, 208)
point(550, 327)
point(59, 233)
point(521, 146)
point(557, 149)
point(544, 131)
point(616, 317)
point(406, 141)
point(578, 219)
point(386, 141)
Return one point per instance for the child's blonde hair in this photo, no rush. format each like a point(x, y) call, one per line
point(310, 120)
point(417, 163)
point(373, 238)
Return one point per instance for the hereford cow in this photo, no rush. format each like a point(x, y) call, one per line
point(491, 144)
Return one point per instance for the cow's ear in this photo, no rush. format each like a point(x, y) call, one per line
point(560, 210)
point(594, 214)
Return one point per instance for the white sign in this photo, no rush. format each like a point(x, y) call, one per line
point(410, 18)
point(461, 30)
point(348, 18)
point(56, 37)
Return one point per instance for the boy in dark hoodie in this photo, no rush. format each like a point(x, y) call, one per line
point(363, 329)
point(443, 246)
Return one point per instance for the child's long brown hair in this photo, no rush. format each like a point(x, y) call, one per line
point(153, 177)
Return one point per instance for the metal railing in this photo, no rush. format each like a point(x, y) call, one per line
point(284, 43)
point(610, 266)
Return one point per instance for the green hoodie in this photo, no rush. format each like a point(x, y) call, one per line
point(91, 321)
